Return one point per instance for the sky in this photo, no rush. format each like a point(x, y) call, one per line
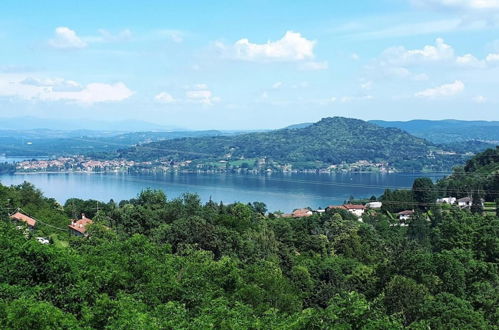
point(249, 64)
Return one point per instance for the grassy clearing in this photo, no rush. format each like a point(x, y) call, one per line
point(58, 241)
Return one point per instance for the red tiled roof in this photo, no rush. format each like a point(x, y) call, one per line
point(337, 207)
point(406, 212)
point(24, 218)
point(81, 225)
point(301, 213)
point(354, 207)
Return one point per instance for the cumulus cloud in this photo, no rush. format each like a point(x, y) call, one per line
point(400, 62)
point(429, 53)
point(65, 38)
point(291, 47)
point(201, 94)
point(56, 84)
point(58, 89)
point(164, 97)
point(445, 90)
point(470, 61)
point(492, 58)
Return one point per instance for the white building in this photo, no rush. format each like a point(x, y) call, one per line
point(374, 205)
point(447, 200)
point(405, 215)
point(355, 209)
point(465, 202)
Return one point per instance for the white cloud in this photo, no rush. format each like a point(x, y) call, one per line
point(106, 36)
point(291, 47)
point(479, 99)
point(314, 66)
point(176, 36)
point(459, 4)
point(492, 58)
point(474, 14)
point(429, 53)
point(201, 95)
point(94, 93)
point(469, 61)
point(201, 86)
point(65, 38)
point(58, 89)
point(399, 62)
point(442, 91)
point(355, 57)
point(164, 97)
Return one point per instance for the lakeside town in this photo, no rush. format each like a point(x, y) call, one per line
point(86, 164)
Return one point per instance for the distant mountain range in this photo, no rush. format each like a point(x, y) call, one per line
point(54, 142)
point(447, 131)
point(331, 141)
point(34, 123)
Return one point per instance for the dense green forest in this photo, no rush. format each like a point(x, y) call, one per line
point(479, 177)
point(329, 141)
point(153, 263)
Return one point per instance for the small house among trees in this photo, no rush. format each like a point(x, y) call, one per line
point(79, 227)
point(23, 218)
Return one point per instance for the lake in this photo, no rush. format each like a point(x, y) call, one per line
point(283, 192)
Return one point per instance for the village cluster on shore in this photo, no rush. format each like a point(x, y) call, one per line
point(88, 165)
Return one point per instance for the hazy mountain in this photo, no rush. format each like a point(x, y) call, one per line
point(51, 142)
point(295, 126)
point(331, 140)
point(444, 131)
point(29, 123)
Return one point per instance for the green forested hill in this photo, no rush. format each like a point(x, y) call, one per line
point(154, 263)
point(331, 140)
point(479, 176)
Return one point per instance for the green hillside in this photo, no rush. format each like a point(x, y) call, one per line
point(479, 176)
point(330, 141)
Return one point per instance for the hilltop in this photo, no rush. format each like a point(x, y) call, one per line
point(330, 141)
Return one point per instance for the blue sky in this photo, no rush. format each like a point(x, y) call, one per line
point(249, 64)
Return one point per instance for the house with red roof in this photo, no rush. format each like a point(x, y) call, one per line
point(301, 213)
point(79, 227)
point(23, 218)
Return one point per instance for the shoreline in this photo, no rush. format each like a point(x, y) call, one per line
point(221, 172)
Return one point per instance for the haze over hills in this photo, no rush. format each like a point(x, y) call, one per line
point(331, 140)
point(446, 131)
point(34, 123)
point(51, 142)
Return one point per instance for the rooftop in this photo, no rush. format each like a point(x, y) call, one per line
point(24, 218)
point(81, 225)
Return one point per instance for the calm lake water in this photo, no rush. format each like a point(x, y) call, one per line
point(283, 192)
